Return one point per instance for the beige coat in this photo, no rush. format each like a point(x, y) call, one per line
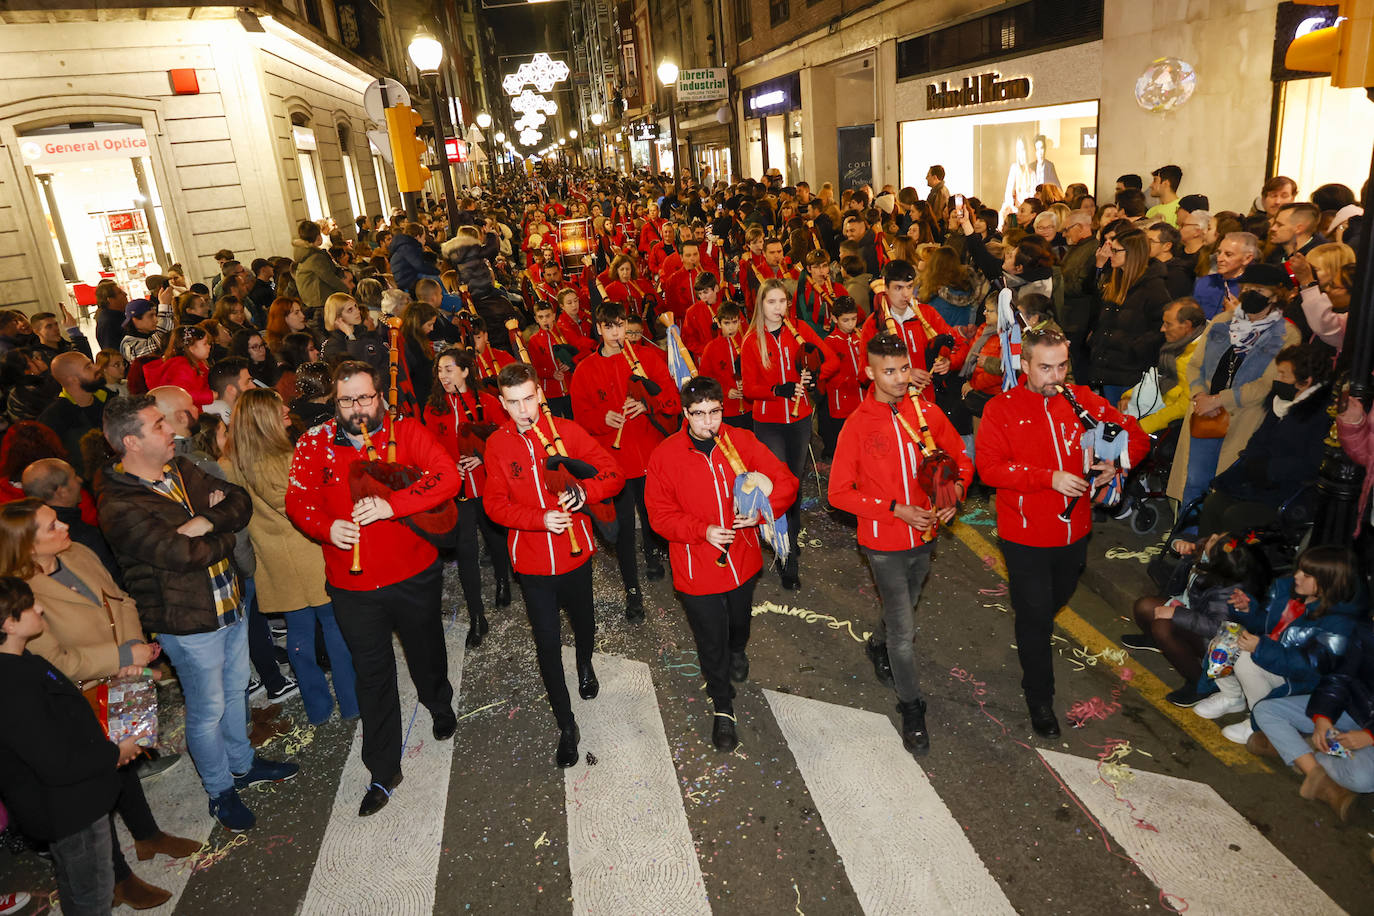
point(290, 572)
point(83, 639)
point(1244, 420)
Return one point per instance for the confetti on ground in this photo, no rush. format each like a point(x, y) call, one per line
point(1143, 556)
point(834, 623)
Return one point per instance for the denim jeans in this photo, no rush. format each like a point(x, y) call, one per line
point(213, 669)
point(261, 652)
point(1113, 393)
point(1203, 455)
point(899, 576)
point(1285, 723)
point(300, 645)
point(85, 878)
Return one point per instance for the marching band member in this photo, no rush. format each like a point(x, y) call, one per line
point(699, 321)
point(679, 287)
point(721, 361)
point(553, 358)
point(842, 391)
point(919, 325)
point(629, 288)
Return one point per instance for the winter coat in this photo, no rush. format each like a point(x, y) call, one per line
point(364, 345)
point(601, 384)
point(1204, 609)
point(84, 639)
point(1245, 399)
point(955, 306)
point(1358, 442)
point(194, 379)
point(469, 256)
point(1078, 270)
point(1177, 398)
point(1282, 455)
point(1127, 338)
point(167, 573)
point(680, 476)
point(1178, 277)
point(316, 275)
point(1349, 687)
point(1307, 648)
point(407, 260)
point(785, 352)
point(290, 569)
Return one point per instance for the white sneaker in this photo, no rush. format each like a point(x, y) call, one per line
point(1218, 705)
point(1240, 732)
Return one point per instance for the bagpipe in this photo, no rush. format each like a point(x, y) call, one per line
point(751, 489)
point(562, 473)
point(472, 434)
point(809, 359)
point(938, 473)
point(937, 344)
point(1102, 441)
point(641, 388)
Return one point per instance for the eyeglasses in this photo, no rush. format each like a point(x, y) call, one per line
point(362, 400)
point(705, 414)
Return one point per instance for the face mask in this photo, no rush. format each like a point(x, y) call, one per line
point(1253, 302)
point(1285, 391)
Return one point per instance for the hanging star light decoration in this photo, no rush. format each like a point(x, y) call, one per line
point(530, 121)
point(527, 102)
point(529, 137)
point(542, 71)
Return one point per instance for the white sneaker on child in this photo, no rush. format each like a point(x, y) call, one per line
point(1218, 705)
point(1240, 732)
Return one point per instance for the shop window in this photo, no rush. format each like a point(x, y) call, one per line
point(1018, 30)
point(351, 177)
point(383, 195)
point(1309, 111)
point(744, 20)
point(777, 12)
point(308, 161)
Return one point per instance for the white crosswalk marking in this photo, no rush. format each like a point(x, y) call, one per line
point(388, 862)
point(629, 847)
point(903, 850)
point(1191, 844)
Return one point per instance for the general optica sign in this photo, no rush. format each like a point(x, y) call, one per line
point(84, 146)
point(706, 85)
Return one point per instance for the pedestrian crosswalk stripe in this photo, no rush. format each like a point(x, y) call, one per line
point(903, 850)
point(388, 862)
point(630, 849)
point(1203, 856)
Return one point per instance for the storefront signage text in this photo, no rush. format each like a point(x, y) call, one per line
point(707, 85)
point(977, 90)
point(775, 96)
point(644, 130)
point(84, 145)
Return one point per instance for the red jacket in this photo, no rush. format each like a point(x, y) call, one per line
point(981, 379)
point(317, 494)
point(540, 346)
point(784, 352)
point(1023, 439)
point(916, 336)
point(464, 408)
point(516, 495)
point(577, 331)
point(698, 328)
point(491, 361)
point(842, 390)
point(680, 291)
point(637, 295)
point(680, 476)
point(649, 233)
point(178, 371)
point(876, 462)
point(718, 361)
point(601, 383)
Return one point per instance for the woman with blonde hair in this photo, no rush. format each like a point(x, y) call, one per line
point(290, 575)
point(1127, 337)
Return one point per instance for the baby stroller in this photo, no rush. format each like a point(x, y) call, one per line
point(1147, 486)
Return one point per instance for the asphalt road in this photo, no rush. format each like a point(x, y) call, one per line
point(819, 810)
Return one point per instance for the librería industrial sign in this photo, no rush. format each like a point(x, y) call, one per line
point(977, 90)
point(705, 85)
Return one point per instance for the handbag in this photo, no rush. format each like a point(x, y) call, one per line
point(1209, 427)
point(1146, 398)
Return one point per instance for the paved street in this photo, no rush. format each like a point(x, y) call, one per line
point(819, 810)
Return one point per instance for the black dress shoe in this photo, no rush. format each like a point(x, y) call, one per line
point(567, 746)
point(739, 667)
point(653, 568)
point(634, 605)
point(915, 738)
point(445, 726)
point(587, 684)
point(378, 794)
point(1043, 721)
point(503, 593)
point(792, 582)
point(877, 654)
point(723, 734)
point(477, 628)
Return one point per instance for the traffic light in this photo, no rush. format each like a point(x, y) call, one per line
point(1343, 50)
point(406, 149)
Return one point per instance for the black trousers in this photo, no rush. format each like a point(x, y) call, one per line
point(627, 502)
point(132, 806)
point(828, 426)
point(789, 442)
point(720, 625)
point(1042, 579)
point(409, 608)
point(743, 421)
point(472, 520)
point(545, 596)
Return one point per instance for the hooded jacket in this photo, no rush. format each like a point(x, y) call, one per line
point(317, 276)
point(785, 352)
point(407, 261)
point(1349, 688)
point(1024, 438)
point(1307, 648)
point(675, 493)
point(468, 256)
point(1127, 337)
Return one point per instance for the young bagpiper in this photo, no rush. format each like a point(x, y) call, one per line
point(721, 361)
point(877, 476)
point(842, 390)
point(714, 546)
point(550, 540)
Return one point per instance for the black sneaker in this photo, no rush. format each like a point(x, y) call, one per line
point(254, 686)
point(1186, 696)
point(877, 654)
point(634, 605)
point(915, 738)
point(739, 667)
point(1139, 642)
point(723, 733)
point(653, 567)
point(288, 688)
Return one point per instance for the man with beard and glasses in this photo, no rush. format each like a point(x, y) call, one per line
point(81, 405)
point(401, 577)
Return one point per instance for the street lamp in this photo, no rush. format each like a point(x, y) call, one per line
point(597, 120)
point(667, 75)
point(572, 134)
point(500, 137)
point(483, 120)
point(426, 53)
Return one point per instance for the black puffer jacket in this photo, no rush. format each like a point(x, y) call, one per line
point(364, 345)
point(1350, 687)
point(1127, 337)
point(166, 572)
point(469, 257)
point(1282, 455)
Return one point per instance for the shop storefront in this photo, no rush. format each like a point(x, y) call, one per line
point(1319, 134)
point(1001, 130)
point(643, 142)
point(100, 202)
point(773, 122)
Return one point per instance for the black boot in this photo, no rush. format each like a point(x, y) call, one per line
point(723, 734)
point(877, 654)
point(915, 738)
point(653, 566)
point(739, 667)
point(477, 628)
point(568, 737)
point(502, 592)
point(634, 605)
point(1043, 721)
point(587, 684)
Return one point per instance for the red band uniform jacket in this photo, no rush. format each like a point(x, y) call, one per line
point(601, 384)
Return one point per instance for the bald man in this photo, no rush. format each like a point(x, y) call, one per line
point(181, 413)
point(81, 405)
